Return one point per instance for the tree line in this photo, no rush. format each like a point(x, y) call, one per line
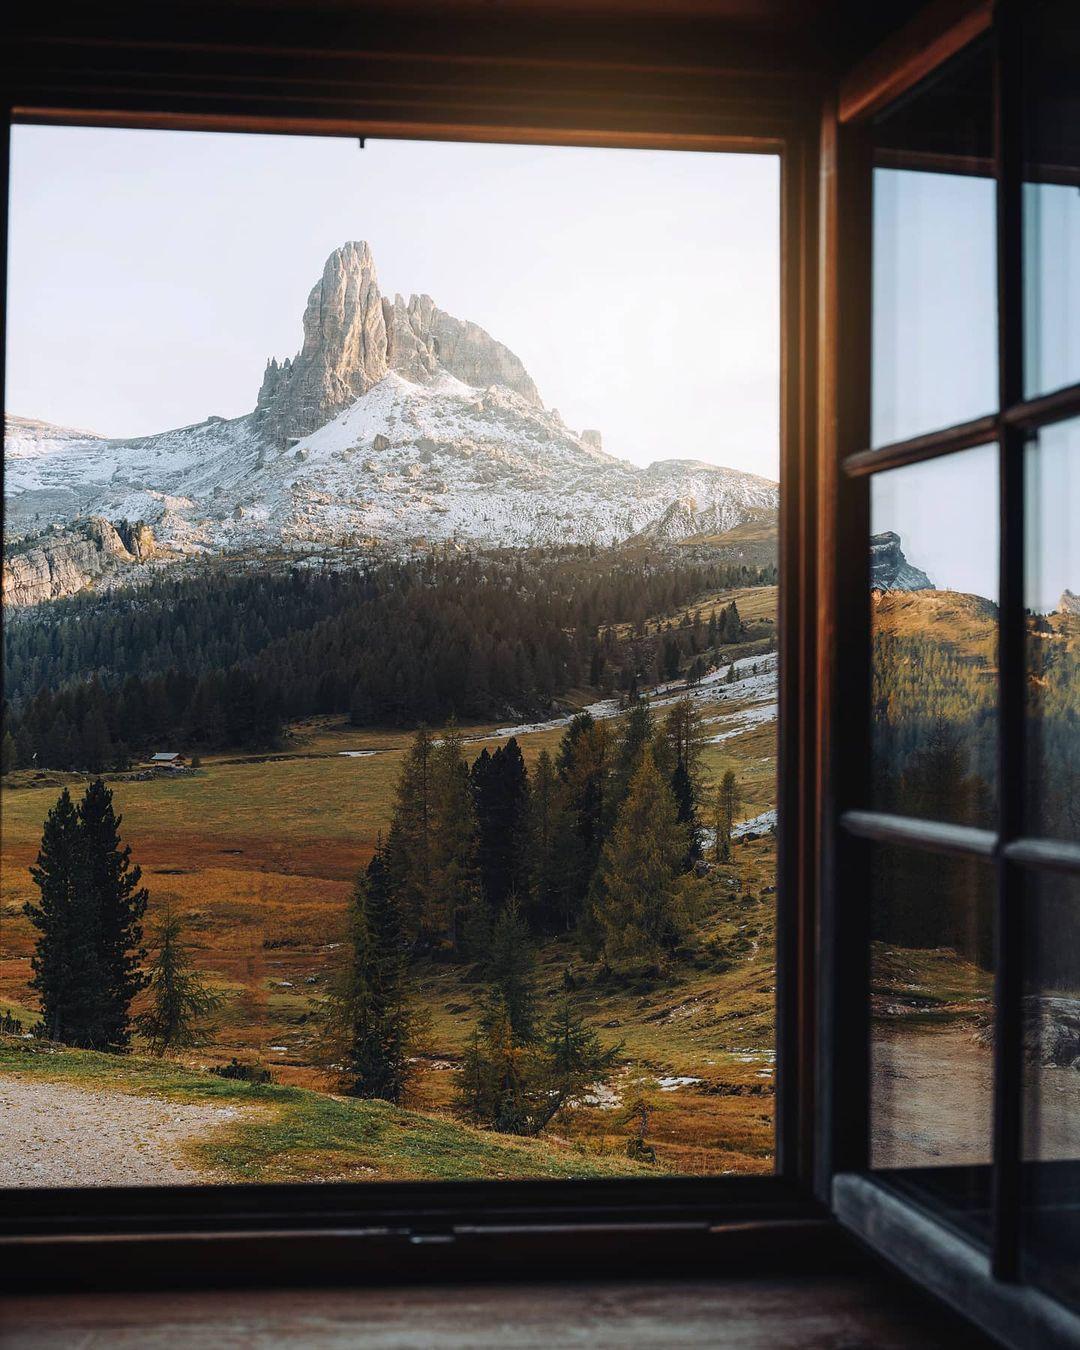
point(219, 660)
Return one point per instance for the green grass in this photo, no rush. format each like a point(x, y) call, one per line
point(292, 1134)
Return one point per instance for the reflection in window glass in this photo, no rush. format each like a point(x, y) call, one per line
point(931, 1053)
point(1052, 597)
point(933, 577)
point(1052, 287)
point(442, 727)
point(934, 334)
point(1051, 1119)
point(1052, 197)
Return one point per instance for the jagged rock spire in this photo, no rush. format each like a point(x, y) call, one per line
point(353, 336)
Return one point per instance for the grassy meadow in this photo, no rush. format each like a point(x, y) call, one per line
point(259, 853)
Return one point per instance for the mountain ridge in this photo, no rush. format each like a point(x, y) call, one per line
point(395, 423)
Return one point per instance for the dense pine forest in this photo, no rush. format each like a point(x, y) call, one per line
point(215, 660)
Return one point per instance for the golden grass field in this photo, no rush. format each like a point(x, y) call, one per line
point(259, 854)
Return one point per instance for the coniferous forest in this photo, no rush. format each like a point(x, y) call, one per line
point(223, 661)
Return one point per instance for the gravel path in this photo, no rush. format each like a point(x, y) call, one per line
point(55, 1134)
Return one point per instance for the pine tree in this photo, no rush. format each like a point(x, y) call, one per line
point(181, 1004)
point(66, 964)
point(647, 904)
point(119, 903)
point(369, 1022)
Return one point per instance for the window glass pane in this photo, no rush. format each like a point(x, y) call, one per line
point(1051, 1120)
point(1052, 198)
point(934, 566)
point(1052, 596)
point(931, 1050)
point(934, 357)
point(441, 725)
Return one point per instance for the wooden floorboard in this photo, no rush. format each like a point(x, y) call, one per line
point(771, 1313)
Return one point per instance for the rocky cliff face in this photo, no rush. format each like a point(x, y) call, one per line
point(890, 570)
point(63, 562)
point(343, 354)
point(353, 336)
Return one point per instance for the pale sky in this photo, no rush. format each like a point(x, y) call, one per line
point(151, 274)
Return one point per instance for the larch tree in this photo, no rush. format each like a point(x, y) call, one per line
point(646, 903)
point(409, 843)
point(181, 1004)
point(454, 874)
point(726, 803)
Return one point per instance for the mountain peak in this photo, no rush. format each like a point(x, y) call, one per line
point(1069, 602)
point(353, 335)
point(890, 570)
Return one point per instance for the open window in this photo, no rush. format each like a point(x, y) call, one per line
point(400, 528)
point(953, 888)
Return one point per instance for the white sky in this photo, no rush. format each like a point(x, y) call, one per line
point(152, 274)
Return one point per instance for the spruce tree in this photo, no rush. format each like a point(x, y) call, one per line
point(369, 1021)
point(66, 963)
point(119, 903)
point(500, 792)
point(511, 974)
point(181, 1004)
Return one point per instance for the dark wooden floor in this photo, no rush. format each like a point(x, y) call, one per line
point(769, 1313)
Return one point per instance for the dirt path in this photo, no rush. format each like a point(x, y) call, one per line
point(55, 1134)
point(934, 1097)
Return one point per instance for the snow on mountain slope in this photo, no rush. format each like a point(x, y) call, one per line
point(419, 454)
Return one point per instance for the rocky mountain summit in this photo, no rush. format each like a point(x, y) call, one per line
point(890, 570)
point(395, 423)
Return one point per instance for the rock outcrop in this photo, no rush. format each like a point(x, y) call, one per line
point(64, 562)
point(890, 570)
point(353, 336)
point(1069, 603)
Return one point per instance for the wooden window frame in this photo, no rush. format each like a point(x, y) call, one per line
point(326, 80)
point(986, 1285)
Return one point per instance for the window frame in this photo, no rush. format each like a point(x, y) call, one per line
point(986, 1285)
point(167, 77)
